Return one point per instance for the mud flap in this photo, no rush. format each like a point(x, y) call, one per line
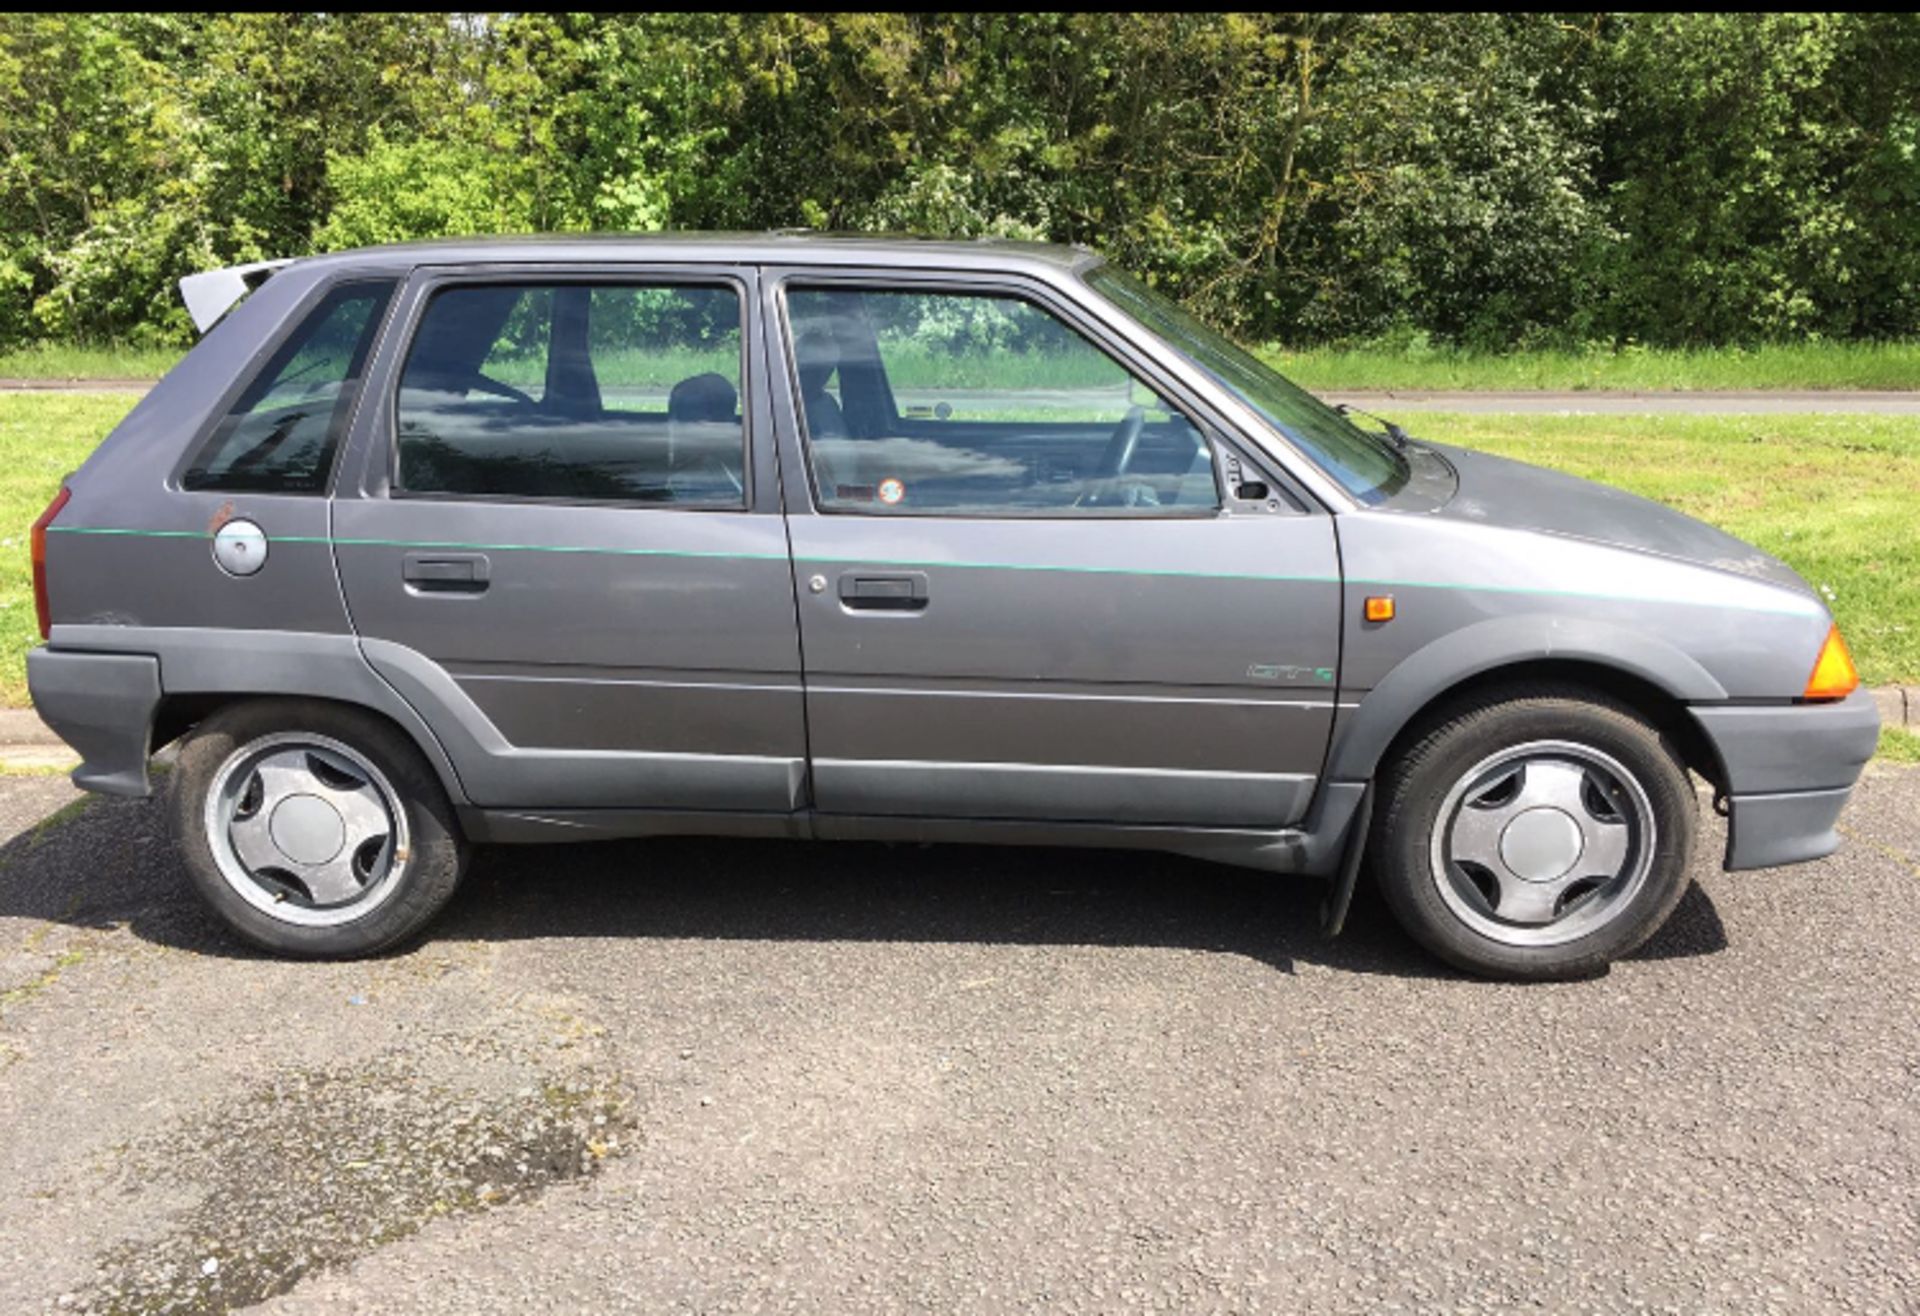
point(1333, 910)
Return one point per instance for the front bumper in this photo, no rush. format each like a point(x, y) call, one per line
point(1789, 769)
point(102, 704)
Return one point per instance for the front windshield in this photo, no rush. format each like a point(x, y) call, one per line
point(1365, 465)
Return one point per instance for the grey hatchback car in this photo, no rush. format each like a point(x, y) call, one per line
point(799, 536)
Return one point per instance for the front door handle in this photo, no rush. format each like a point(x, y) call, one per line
point(445, 573)
point(896, 591)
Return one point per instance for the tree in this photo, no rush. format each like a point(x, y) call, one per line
point(1485, 178)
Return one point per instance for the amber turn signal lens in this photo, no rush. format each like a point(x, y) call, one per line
point(1833, 675)
point(1380, 607)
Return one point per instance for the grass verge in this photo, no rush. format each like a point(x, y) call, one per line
point(1893, 365)
point(1380, 366)
point(1832, 495)
point(43, 436)
point(72, 361)
point(1899, 745)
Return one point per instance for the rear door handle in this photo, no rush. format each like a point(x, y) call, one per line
point(902, 591)
point(445, 573)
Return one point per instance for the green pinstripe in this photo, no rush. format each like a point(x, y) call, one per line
point(1268, 577)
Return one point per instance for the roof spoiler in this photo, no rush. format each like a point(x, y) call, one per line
point(211, 295)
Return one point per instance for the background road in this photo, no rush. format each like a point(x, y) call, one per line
point(723, 1075)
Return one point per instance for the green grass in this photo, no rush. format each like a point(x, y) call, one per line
point(80, 362)
point(1810, 365)
point(1835, 496)
point(623, 369)
point(1416, 365)
point(42, 437)
point(1899, 745)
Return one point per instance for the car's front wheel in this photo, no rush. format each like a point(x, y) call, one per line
point(1538, 833)
point(313, 829)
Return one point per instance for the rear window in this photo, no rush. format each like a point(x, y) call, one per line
point(281, 436)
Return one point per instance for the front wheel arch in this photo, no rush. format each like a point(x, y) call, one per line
point(1654, 676)
point(1658, 707)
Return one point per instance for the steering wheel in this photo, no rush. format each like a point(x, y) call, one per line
point(1121, 447)
point(1115, 460)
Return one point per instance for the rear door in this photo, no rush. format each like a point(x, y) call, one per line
point(1024, 594)
point(564, 543)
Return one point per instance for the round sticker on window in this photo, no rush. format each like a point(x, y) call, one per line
point(892, 491)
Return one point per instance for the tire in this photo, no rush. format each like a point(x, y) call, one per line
point(1493, 795)
point(350, 859)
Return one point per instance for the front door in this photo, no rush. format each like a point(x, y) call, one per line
point(563, 548)
point(1022, 593)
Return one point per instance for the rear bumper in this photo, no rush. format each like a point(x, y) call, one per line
point(1789, 769)
point(102, 704)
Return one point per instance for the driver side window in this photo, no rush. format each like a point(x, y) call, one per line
point(955, 403)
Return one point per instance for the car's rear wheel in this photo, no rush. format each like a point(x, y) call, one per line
point(1540, 833)
point(313, 829)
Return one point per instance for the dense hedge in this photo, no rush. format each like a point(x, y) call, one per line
point(1483, 178)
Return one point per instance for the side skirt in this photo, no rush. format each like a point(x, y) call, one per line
point(1314, 848)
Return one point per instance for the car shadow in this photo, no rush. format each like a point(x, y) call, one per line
point(112, 863)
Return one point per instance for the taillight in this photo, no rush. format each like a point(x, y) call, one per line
point(1833, 675)
point(39, 541)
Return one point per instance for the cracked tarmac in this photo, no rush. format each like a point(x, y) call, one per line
point(722, 1075)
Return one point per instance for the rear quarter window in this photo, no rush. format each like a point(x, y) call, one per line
point(282, 434)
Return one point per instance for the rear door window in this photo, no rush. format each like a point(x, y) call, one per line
point(625, 392)
point(281, 436)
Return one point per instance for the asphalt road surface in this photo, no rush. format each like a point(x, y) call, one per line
point(715, 1076)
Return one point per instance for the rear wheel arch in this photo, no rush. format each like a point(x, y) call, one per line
point(178, 714)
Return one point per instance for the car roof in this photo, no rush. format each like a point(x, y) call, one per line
point(777, 247)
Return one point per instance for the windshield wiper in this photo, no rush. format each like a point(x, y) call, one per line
point(1401, 439)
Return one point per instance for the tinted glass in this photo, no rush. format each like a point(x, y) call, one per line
point(282, 434)
point(1365, 465)
point(627, 393)
point(974, 404)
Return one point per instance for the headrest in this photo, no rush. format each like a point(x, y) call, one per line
point(702, 398)
point(816, 353)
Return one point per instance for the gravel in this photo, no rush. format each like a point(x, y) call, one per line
point(715, 1075)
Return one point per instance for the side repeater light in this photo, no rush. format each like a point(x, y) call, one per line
point(1379, 607)
point(1833, 676)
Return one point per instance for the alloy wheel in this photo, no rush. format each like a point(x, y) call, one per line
point(1542, 843)
point(306, 829)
